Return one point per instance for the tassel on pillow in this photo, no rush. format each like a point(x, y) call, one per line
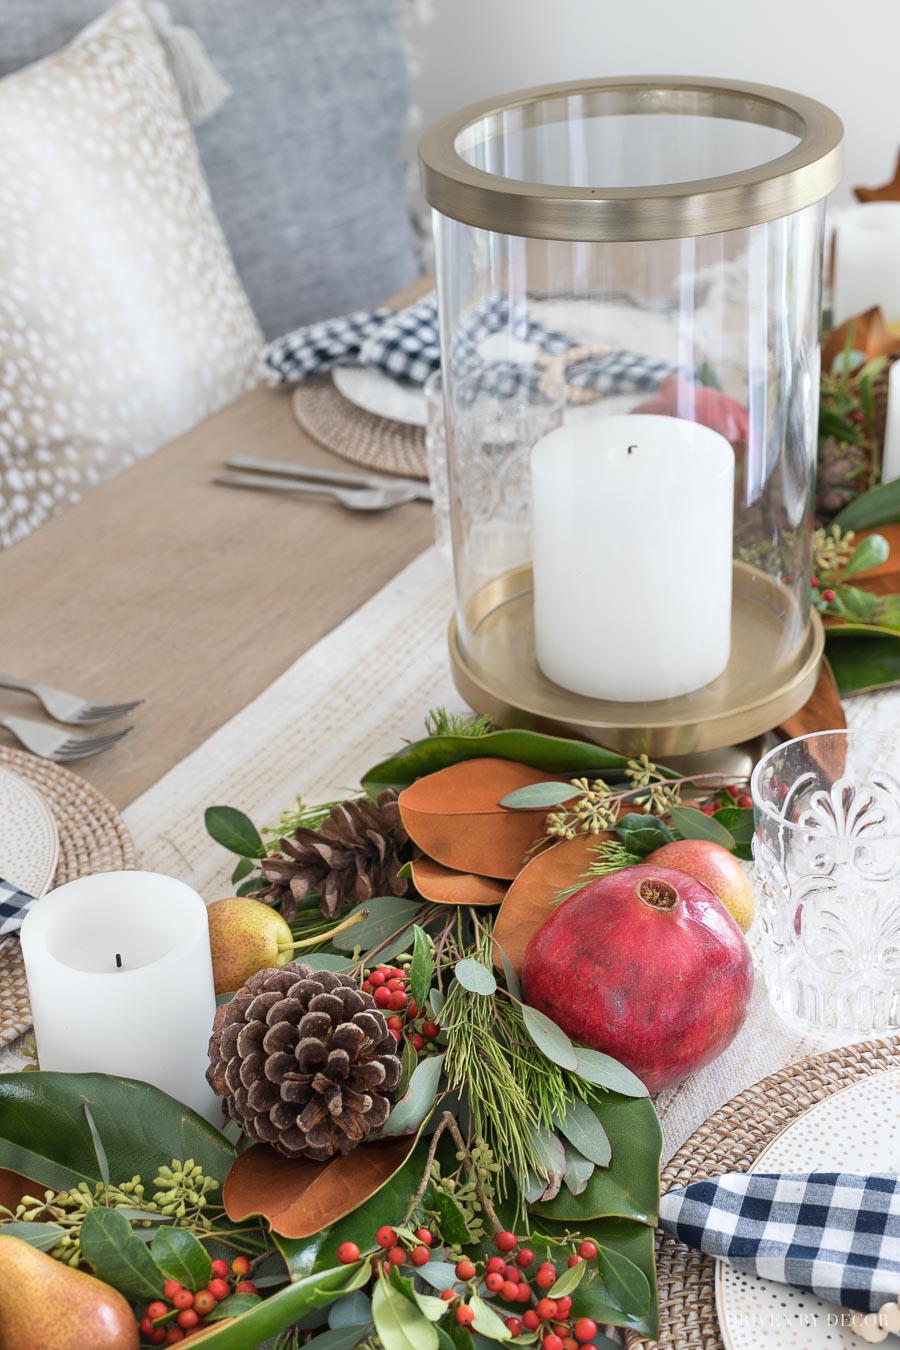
point(202, 89)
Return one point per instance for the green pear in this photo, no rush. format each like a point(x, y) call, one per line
point(246, 936)
point(45, 1305)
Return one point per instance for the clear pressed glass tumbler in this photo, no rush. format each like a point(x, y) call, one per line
point(827, 854)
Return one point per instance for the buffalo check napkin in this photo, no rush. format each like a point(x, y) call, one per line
point(13, 907)
point(405, 344)
point(836, 1234)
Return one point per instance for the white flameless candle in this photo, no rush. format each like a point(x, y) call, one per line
point(890, 467)
point(867, 261)
point(120, 981)
point(632, 543)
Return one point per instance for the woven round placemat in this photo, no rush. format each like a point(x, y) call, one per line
point(357, 435)
point(92, 838)
point(730, 1141)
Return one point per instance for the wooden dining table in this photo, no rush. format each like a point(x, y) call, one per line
point(163, 586)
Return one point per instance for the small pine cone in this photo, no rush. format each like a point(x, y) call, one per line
point(304, 1061)
point(357, 853)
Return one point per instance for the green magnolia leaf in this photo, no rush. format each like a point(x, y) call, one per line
point(582, 1127)
point(235, 831)
point(45, 1135)
point(243, 869)
point(232, 1306)
point(421, 971)
point(44, 1236)
point(863, 659)
point(451, 1220)
point(550, 1039)
point(118, 1257)
point(289, 1305)
point(552, 754)
point(568, 1281)
point(693, 824)
point(595, 1067)
point(635, 1241)
point(487, 1323)
point(388, 914)
point(578, 1170)
point(625, 1284)
point(180, 1256)
point(400, 1324)
point(629, 1187)
point(99, 1150)
point(475, 977)
point(417, 1103)
point(879, 506)
point(538, 795)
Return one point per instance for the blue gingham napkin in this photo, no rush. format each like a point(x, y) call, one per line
point(406, 345)
point(836, 1234)
point(13, 907)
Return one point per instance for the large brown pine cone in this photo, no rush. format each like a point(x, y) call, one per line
point(304, 1061)
point(357, 853)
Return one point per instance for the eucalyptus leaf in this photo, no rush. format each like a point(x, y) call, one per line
point(243, 869)
point(538, 796)
point(578, 1171)
point(568, 1281)
point(475, 977)
point(351, 1310)
point(340, 1337)
point(180, 1256)
point(693, 824)
point(421, 971)
point(553, 1156)
point(549, 1038)
point(441, 1274)
point(400, 1324)
point(451, 1220)
point(44, 1236)
point(99, 1150)
point(513, 983)
point(436, 1000)
point(582, 1127)
point(417, 1103)
point(117, 1257)
point(487, 1322)
point(235, 831)
point(327, 961)
point(604, 1071)
point(232, 1306)
point(879, 506)
point(388, 914)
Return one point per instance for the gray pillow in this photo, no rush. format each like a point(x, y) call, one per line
point(304, 159)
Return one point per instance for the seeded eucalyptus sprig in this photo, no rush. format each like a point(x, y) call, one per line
point(594, 806)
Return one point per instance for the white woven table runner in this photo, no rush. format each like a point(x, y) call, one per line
point(349, 701)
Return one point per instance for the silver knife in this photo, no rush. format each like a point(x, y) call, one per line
point(315, 473)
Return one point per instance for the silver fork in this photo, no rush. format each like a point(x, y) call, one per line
point(354, 499)
point(50, 743)
point(68, 708)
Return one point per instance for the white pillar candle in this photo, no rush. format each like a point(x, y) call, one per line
point(890, 464)
point(867, 261)
point(120, 981)
point(632, 534)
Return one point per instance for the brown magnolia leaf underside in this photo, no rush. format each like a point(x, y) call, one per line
point(444, 886)
point(871, 336)
point(529, 900)
point(301, 1198)
point(453, 816)
point(14, 1187)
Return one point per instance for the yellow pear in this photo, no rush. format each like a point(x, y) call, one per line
point(246, 936)
point(45, 1305)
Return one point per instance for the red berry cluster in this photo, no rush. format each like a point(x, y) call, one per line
point(827, 594)
point(387, 985)
point(397, 1254)
point(732, 796)
point(167, 1323)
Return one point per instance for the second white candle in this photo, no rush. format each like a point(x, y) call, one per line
point(632, 535)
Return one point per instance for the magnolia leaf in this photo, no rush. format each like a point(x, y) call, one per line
point(549, 1038)
point(400, 1324)
point(555, 755)
point(879, 506)
point(578, 1171)
point(632, 1240)
point(454, 817)
point(445, 886)
point(451, 1220)
point(300, 1198)
point(595, 1067)
point(529, 900)
point(693, 824)
point(487, 1323)
point(117, 1257)
point(290, 1304)
point(235, 831)
point(581, 1126)
point(180, 1256)
point(568, 1281)
point(863, 659)
point(232, 1306)
point(475, 977)
point(539, 796)
point(44, 1236)
point(417, 1103)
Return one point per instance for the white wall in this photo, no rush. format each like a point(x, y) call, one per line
point(844, 52)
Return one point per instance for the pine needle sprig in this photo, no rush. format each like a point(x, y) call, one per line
point(297, 817)
point(610, 856)
point(440, 722)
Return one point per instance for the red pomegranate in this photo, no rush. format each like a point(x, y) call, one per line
point(646, 965)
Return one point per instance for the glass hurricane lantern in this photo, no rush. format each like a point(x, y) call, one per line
point(638, 575)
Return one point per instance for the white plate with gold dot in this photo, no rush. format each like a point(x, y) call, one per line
point(855, 1130)
point(29, 842)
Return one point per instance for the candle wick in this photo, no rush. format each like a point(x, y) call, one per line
point(118, 961)
point(631, 447)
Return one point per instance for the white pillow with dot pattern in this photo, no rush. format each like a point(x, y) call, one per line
point(122, 319)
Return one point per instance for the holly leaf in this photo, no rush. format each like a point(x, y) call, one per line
point(421, 971)
point(582, 1127)
point(180, 1256)
point(693, 824)
point(568, 1281)
point(400, 1324)
point(119, 1258)
point(451, 1220)
point(235, 831)
point(232, 1306)
point(243, 869)
point(642, 834)
point(486, 1322)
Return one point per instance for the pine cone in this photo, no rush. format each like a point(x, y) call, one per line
point(357, 853)
point(304, 1061)
point(842, 474)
